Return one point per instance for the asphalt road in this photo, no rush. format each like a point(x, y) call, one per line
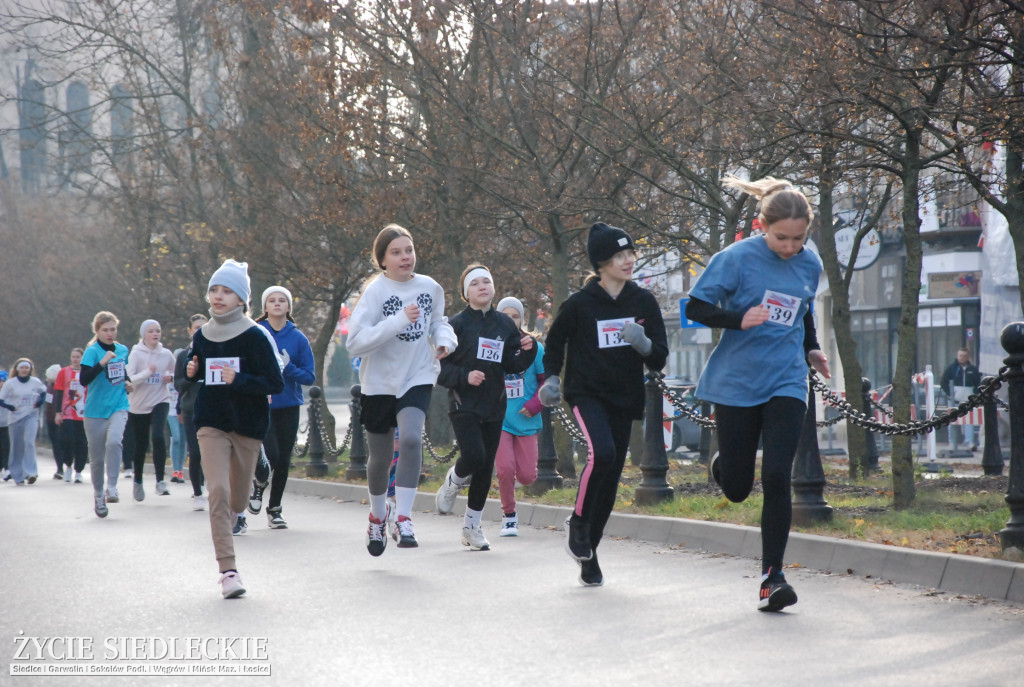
point(330, 614)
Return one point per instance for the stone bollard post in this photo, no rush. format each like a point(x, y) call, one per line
point(653, 487)
point(809, 505)
point(357, 448)
point(992, 457)
point(547, 459)
point(1012, 339)
point(871, 447)
point(704, 445)
point(317, 467)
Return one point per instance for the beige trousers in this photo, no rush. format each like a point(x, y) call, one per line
point(229, 463)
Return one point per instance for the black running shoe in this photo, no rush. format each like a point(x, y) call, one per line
point(776, 593)
point(256, 497)
point(590, 572)
point(577, 544)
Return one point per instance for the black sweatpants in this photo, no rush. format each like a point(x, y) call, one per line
point(195, 464)
point(74, 446)
point(777, 424)
point(607, 430)
point(478, 444)
point(278, 445)
point(140, 428)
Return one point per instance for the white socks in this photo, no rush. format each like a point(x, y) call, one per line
point(472, 518)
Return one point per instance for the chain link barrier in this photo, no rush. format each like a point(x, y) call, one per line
point(446, 458)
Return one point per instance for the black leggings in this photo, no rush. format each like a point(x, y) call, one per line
point(779, 422)
point(607, 430)
point(278, 445)
point(478, 444)
point(141, 428)
point(195, 464)
point(74, 445)
point(5, 446)
point(53, 434)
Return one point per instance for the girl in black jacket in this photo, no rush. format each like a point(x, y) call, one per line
point(490, 345)
point(611, 328)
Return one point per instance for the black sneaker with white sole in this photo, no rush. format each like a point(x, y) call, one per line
point(577, 544)
point(775, 593)
point(274, 519)
point(590, 572)
point(256, 497)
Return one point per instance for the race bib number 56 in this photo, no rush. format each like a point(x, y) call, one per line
point(782, 309)
point(608, 333)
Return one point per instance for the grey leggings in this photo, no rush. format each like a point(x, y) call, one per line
point(410, 453)
point(105, 436)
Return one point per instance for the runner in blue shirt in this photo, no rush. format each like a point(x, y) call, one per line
point(760, 291)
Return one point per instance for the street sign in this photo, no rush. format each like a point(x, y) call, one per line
point(685, 323)
point(356, 362)
point(870, 247)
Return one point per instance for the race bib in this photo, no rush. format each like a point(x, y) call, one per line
point(782, 308)
point(514, 387)
point(49, 398)
point(115, 372)
point(75, 386)
point(489, 350)
point(215, 369)
point(608, 333)
point(155, 378)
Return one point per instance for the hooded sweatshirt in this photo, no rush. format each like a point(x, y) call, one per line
point(298, 371)
point(149, 387)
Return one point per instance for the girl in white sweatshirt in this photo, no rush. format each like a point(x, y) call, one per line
point(151, 370)
point(399, 329)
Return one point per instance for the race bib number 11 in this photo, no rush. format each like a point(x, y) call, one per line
point(782, 308)
point(215, 368)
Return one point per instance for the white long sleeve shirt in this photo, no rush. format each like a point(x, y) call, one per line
point(397, 354)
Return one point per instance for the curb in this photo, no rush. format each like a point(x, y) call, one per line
point(954, 573)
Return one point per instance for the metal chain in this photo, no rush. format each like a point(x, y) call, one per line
point(1001, 403)
point(691, 412)
point(435, 455)
point(568, 424)
point(913, 428)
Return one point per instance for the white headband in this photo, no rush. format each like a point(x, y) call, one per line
point(24, 364)
point(473, 274)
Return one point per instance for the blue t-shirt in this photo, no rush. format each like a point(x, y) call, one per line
point(749, 367)
point(520, 388)
point(106, 394)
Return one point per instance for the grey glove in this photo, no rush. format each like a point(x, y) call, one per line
point(550, 393)
point(285, 358)
point(633, 334)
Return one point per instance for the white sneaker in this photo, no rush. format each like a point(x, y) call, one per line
point(78, 478)
point(509, 526)
point(199, 502)
point(474, 538)
point(112, 495)
point(5, 474)
point(161, 488)
point(128, 474)
point(446, 494)
point(67, 473)
point(231, 585)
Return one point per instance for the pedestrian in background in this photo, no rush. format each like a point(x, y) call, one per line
point(50, 412)
point(22, 395)
point(490, 347)
point(235, 363)
point(186, 402)
point(106, 407)
point(959, 381)
point(605, 334)
point(69, 399)
point(150, 370)
point(516, 459)
point(399, 329)
point(5, 434)
point(760, 291)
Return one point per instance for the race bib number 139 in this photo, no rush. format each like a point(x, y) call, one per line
point(782, 309)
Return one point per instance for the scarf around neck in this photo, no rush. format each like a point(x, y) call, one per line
point(227, 326)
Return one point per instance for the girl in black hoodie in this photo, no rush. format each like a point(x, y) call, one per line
point(605, 333)
point(490, 345)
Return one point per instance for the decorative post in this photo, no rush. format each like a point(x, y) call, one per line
point(871, 452)
point(653, 486)
point(1012, 339)
point(704, 445)
point(357, 449)
point(809, 505)
point(316, 467)
point(547, 458)
point(992, 457)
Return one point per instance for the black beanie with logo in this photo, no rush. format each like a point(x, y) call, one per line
point(605, 241)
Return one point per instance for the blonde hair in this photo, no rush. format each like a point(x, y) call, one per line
point(779, 199)
point(100, 319)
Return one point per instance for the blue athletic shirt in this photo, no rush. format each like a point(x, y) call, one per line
point(749, 367)
point(105, 398)
point(520, 388)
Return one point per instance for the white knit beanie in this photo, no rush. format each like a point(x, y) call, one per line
point(235, 276)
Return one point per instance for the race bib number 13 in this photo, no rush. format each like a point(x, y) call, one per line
point(608, 333)
point(782, 308)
